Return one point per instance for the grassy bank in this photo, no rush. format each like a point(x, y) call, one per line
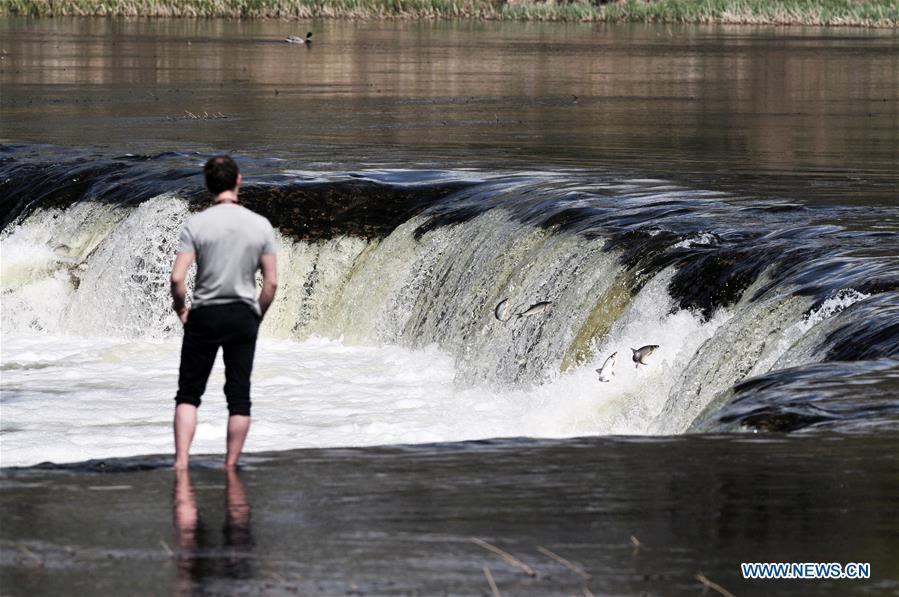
point(866, 13)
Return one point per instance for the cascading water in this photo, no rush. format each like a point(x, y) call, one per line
point(384, 328)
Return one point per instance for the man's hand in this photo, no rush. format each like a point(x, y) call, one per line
point(269, 266)
point(182, 312)
point(178, 286)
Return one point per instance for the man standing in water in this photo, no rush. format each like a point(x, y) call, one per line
point(229, 243)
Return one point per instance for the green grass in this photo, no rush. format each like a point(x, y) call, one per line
point(866, 13)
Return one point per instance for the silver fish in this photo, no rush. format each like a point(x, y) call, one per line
point(503, 310)
point(537, 309)
point(607, 371)
point(642, 353)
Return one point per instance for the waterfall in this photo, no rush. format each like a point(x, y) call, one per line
point(418, 261)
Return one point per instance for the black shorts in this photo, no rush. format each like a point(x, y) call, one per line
point(234, 327)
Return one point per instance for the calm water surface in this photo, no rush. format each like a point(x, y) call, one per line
point(810, 113)
point(643, 517)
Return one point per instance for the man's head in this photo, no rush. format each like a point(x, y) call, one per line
point(222, 174)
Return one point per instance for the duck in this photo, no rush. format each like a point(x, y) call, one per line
point(295, 39)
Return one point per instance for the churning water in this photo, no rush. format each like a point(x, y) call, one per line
point(384, 328)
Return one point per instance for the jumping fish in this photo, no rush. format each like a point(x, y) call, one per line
point(503, 310)
point(642, 353)
point(537, 309)
point(607, 371)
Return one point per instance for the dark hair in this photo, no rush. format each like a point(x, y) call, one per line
point(221, 174)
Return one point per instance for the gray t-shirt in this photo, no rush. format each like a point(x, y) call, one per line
point(228, 240)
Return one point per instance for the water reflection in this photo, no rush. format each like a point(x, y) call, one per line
point(198, 558)
point(184, 505)
point(237, 533)
point(675, 99)
point(642, 515)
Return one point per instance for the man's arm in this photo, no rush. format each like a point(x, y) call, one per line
point(269, 265)
point(179, 285)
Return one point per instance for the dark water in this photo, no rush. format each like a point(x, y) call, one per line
point(400, 520)
point(809, 113)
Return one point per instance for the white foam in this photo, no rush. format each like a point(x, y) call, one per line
point(90, 346)
point(695, 240)
point(68, 399)
point(578, 404)
point(40, 260)
point(841, 300)
point(791, 335)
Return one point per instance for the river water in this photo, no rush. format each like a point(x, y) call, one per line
point(729, 194)
point(769, 104)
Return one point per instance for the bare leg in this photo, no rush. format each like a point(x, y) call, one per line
point(185, 426)
point(238, 426)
